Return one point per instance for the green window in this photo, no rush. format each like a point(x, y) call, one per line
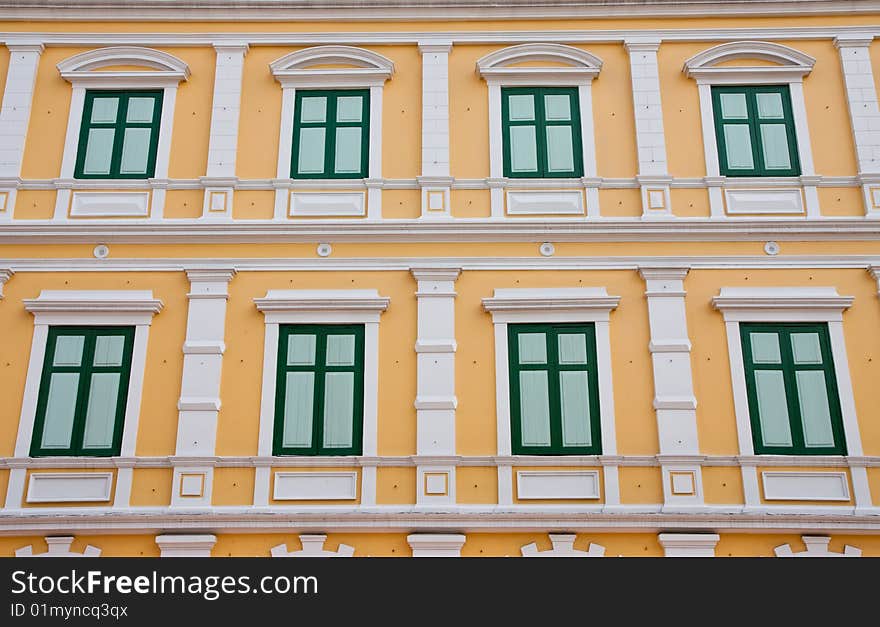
point(119, 135)
point(754, 127)
point(792, 391)
point(83, 390)
point(331, 134)
point(319, 402)
point(542, 132)
point(554, 389)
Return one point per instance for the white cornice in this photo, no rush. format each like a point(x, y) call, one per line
point(85, 68)
point(297, 69)
point(737, 299)
point(94, 301)
point(575, 299)
point(790, 65)
point(322, 300)
point(581, 66)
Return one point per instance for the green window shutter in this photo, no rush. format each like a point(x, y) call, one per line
point(319, 402)
point(554, 389)
point(755, 132)
point(83, 391)
point(541, 128)
point(119, 135)
point(331, 134)
point(792, 390)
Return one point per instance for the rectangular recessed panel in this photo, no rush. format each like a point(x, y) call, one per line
point(547, 203)
point(557, 484)
point(322, 486)
point(805, 486)
point(69, 487)
point(326, 204)
point(110, 204)
point(764, 201)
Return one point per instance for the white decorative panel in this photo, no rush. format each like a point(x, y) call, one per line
point(69, 487)
point(545, 202)
point(326, 204)
point(110, 204)
point(324, 486)
point(752, 201)
point(557, 484)
point(805, 486)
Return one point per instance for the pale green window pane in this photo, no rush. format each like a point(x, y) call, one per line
point(815, 412)
point(770, 106)
point(532, 348)
point(58, 425)
point(557, 107)
point(108, 350)
point(349, 109)
point(101, 412)
point(135, 151)
point(572, 348)
point(560, 149)
point(738, 145)
point(340, 350)
point(805, 348)
point(534, 404)
point(140, 110)
point(523, 149)
point(104, 110)
point(765, 348)
point(311, 151)
point(521, 107)
point(300, 350)
point(299, 395)
point(338, 409)
point(774, 139)
point(68, 350)
point(772, 408)
point(733, 107)
point(99, 151)
point(348, 149)
point(313, 109)
point(575, 401)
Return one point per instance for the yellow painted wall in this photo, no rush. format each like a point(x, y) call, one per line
point(640, 485)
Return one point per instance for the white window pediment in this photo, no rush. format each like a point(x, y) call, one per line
point(159, 68)
point(569, 65)
point(308, 67)
point(788, 64)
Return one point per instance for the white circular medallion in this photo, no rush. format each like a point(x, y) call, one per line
point(771, 248)
point(547, 249)
point(324, 250)
point(102, 251)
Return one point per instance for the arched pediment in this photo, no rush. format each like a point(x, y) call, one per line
point(561, 60)
point(776, 60)
point(152, 61)
point(309, 66)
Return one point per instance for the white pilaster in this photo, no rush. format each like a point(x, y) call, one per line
point(5, 275)
point(220, 179)
point(199, 401)
point(435, 395)
point(674, 399)
point(435, 180)
point(653, 174)
point(436, 544)
point(864, 113)
point(15, 114)
point(186, 546)
point(689, 544)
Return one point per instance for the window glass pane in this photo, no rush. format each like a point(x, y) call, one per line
point(349, 108)
point(805, 348)
point(140, 110)
point(557, 107)
point(340, 350)
point(313, 109)
point(68, 350)
point(104, 110)
point(738, 146)
point(534, 403)
point(733, 107)
point(575, 401)
point(348, 149)
point(58, 425)
point(101, 412)
point(299, 395)
point(135, 151)
point(772, 408)
point(521, 107)
point(523, 149)
point(765, 348)
point(311, 151)
point(532, 348)
point(300, 350)
point(108, 350)
point(770, 106)
point(560, 152)
point(338, 409)
point(572, 348)
point(815, 412)
point(774, 139)
point(99, 151)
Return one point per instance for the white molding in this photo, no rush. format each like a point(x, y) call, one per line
point(526, 304)
point(5, 275)
point(581, 66)
point(313, 204)
point(781, 304)
point(58, 546)
point(764, 201)
point(545, 202)
point(186, 545)
point(436, 544)
point(78, 66)
point(108, 306)
point(435, 179)
point(54, 487)
point(110, 204)
point(312, 546)
point(689, 544)
point(557, 484)
point(563, 546)
point(805, 486)
point(322, 486)
point(816, 546)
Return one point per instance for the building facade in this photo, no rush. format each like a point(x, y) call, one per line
point(421, 278)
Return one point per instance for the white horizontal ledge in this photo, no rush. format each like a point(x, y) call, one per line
point(302, 486)
point(69, 487)
point(94, 301)
point(805, 486)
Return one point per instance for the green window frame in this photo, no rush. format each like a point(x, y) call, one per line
point(320, 370)
point(119, 134)
point(751, 125)
point(570, 379)
point(794, 405)
point(86, 372)
point(539, 119)
point(326, 125)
